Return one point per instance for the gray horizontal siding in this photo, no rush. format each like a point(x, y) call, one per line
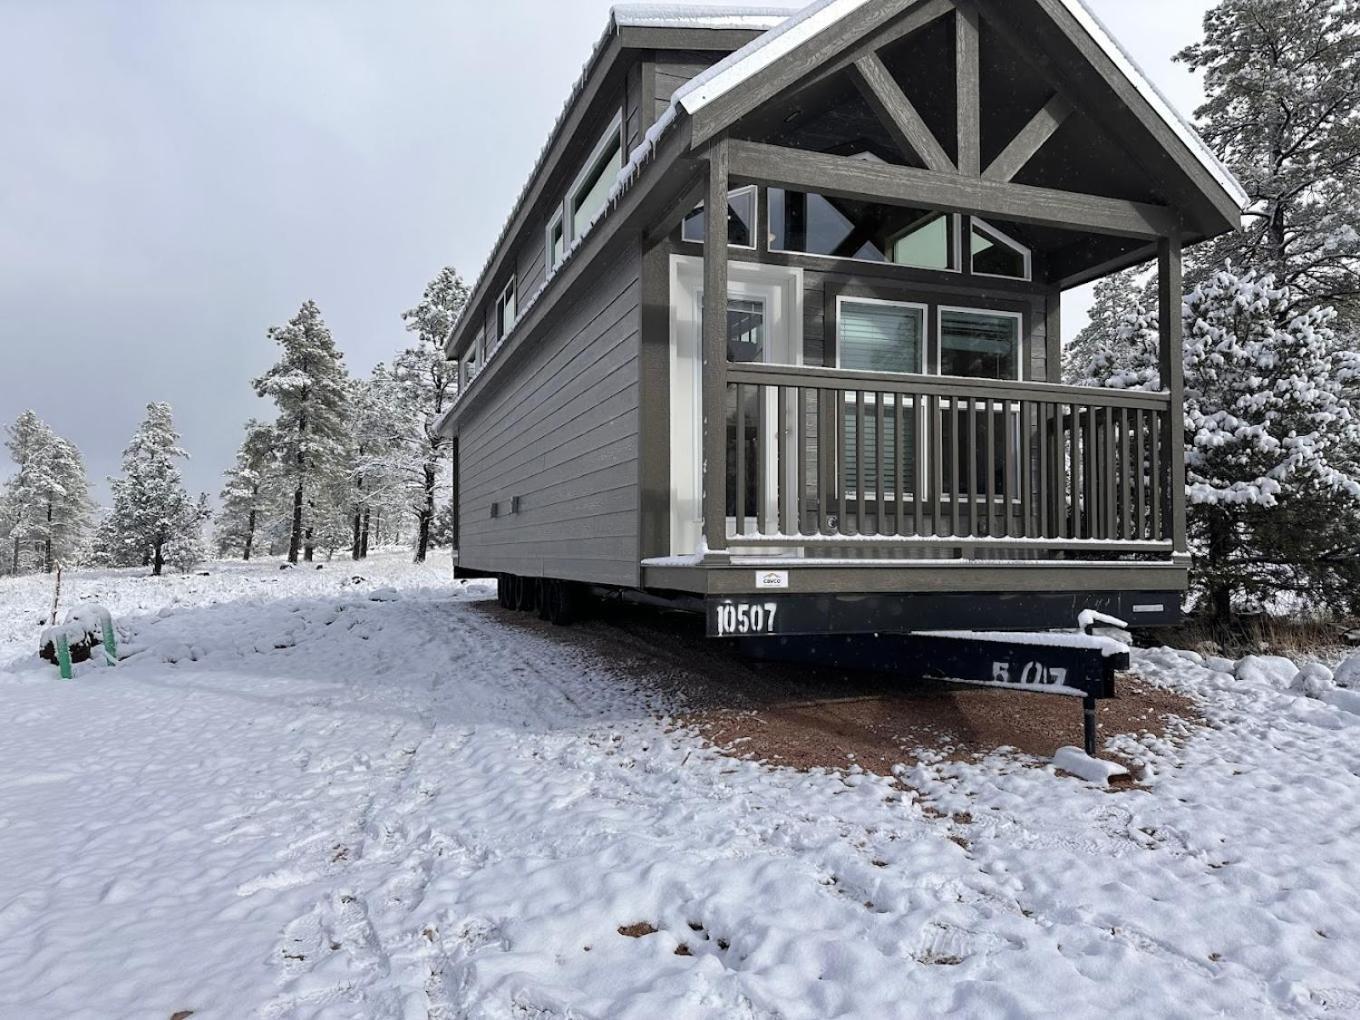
point(561, 433)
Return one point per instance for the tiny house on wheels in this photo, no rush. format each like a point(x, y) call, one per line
point(837, 407)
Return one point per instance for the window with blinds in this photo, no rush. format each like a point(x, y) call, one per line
point(878, 336)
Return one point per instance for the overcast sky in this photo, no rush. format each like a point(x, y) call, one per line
point(179, 176)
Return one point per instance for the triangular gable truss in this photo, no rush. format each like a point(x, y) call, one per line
point(849, 36)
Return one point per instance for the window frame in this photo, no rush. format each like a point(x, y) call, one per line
point(909, 408)
point(837, 259)
point(978, 223)
point(557, 221)
point(754, 189)
point(590, 169)
point(505, 326)
point(1021, 347)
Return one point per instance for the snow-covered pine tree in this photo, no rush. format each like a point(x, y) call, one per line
point(1116, 298)
point(185, 548)
point(151, 512)
point(308, 386)
point(1270, 428)
point(245, 496)
point(376, 429)
point(45, 507)
point(1283, 111)
point(427, 383)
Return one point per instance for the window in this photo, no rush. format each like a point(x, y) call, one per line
point(556, 242)
point(812, 224)
point(506, 313)
point(588, 195)
point(996, 254)
point(477, 354)
point(978, 344)
point(741, 220)
point(879, 336)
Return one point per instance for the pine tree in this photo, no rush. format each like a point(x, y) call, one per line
point(246, 494)
point(46, 505)
point(426, 382)
point(1283, 111)
point(1116, 298)
point(309, 387)
point(1270, 428)
point(151, 509)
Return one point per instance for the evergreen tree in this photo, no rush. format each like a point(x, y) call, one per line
point(1283, 111)
point(426, 382)
point(45, 507)
point(151, 509)
point(309, 387)
point(376, 431)
point(246, 494)
point(1270, 429)
point(1116, 298)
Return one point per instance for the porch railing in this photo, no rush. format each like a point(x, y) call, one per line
point(926, 466)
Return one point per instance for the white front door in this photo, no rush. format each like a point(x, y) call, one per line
point(765, 325)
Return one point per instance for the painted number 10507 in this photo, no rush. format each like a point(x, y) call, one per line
point(741, 618)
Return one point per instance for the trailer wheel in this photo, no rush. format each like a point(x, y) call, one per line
point(526, 594)
point(563, 603)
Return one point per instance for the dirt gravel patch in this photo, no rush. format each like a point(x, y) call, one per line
point(808, 717)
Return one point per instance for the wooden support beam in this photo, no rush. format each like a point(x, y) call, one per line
point(842, 177)
point(917, 17)
point(891, 105)
point(715, 349)
point(968, 76)
point(689, 199)
point(1171, 361)
point(1026, 145)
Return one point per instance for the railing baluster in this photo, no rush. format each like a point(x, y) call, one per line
point(936, 466)
point(1140, 478)
point(859, 462)
point(1111, 472)
point(974, 516)
point(782, 485)
point(900, 464)
point(824, 438)
point(1092, 468)
point(955, 494)
point(991, 468)
point(918, 469)
point(1158, 494)
point(880, 439)
point(1045, 447)
point(1026, 468)
point(762, 461)
point(1078, 517)
point(1008, 436)
point(741, 459)
point(1125, 477)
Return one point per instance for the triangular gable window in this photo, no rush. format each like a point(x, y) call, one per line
point(995, 254)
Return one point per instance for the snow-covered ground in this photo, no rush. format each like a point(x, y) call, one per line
point(307, 797)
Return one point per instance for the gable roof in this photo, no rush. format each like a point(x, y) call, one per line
point(760, 19)
point(731, 73)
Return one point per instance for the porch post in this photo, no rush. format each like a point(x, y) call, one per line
point(715, 348)
point(1171, 293)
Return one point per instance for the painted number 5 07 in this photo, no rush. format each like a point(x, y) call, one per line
point(746, 619)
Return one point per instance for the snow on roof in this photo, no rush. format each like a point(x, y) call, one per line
point(760, 53)
point(760, 19)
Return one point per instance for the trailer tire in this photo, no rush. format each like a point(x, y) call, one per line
point(563, 600)
point(526, 594)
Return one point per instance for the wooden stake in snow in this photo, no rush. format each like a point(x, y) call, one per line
point(56, 598)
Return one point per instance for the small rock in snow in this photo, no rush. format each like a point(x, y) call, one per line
point(384, 595)
point(1077, 762)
